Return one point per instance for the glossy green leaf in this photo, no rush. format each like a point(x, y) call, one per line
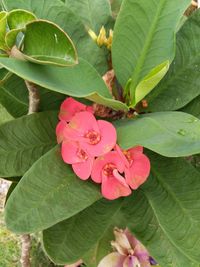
point(171, 134)
point(142, 40)
point(54, 47)
point(24, 140)
point(11, 37)
point(3, 16)
point(93, 13)
point(59, 13)
point(149, 82)
point(81, 80)
point(66, 246)
point(18, 18)
point(49, 193)
point(164, 215)
point(181, 84)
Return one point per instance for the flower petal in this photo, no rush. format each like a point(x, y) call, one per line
point(80, 125)
point(121, 243)
point(83, 169)
point(131, 261)
point(111, 157)
point(112, 260)
point(69, 108)
point(114, 187)
point(138, 171)
point(136, 150)
point(60, 131)
point(108, 139)
point(69, 152)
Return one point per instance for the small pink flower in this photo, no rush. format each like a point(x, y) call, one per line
point(70, 107)
point(60, 131)
point(106, 170)
point(95, 137)
point(129, 252)
point(81, 162)
point(137, 165)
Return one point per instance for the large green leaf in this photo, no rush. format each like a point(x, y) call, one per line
point(66, 246)
point(182, 83)
point(59, 13)
point(47, 194)
point(164, 213)
point(81, 80)
point(171, 134)
point(24, 140)
point(142, 40)
point(54, 47)
point(14, 96)
point(93, 13)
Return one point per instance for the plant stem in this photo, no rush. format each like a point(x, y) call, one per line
point(25, 254)
point(34, 98)
point(34, 101)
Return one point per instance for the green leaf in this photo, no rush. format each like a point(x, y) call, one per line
point(10, 190)
point(18, 18)
point(150, 81)
point(171, 134)
point(4, 115)
point(193, 107)
point(47, 194)
point(3, 17)
point(66, 246)
point(81, 80)
point(24, 140)
point(11, 37)
point(59, 13)
point(4, 74)
point(142, 40)
point(163, 213)
point(54, 47)
point(115, 6)
point(14, 96)
point(181, 84)
point(93, 13)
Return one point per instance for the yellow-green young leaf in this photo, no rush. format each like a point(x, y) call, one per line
point(3, 16)
point(18, 18)
point(11, 36)
point(54, 47)
point(149, 82)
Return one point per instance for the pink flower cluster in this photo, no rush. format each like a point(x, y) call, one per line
point(90, 146)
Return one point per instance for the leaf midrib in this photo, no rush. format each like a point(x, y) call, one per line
point(157, 217)
point(144, 51)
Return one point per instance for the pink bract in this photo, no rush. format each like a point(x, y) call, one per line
point(81, 161)
point(95, 137)
point(137, 166)
point(106, 170)
point(70, 107)
point(60, 131)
